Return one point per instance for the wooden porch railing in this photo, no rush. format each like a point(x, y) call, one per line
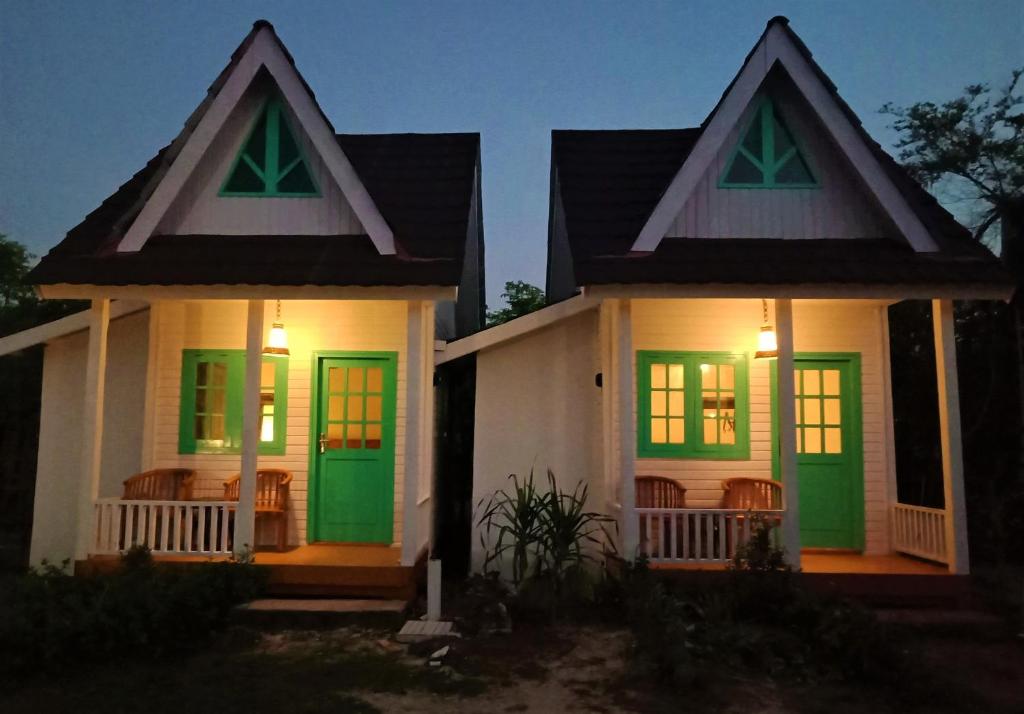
point(165, 527)
point(697, 535)
point(920, 531)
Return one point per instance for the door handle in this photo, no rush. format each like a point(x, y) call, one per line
point(323, 442)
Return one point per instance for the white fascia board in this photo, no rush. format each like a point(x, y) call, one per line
point(858, 291)
point(776, 46)
point(61, 328)
point(66, 291)
point(516, 328)
point(264, 51)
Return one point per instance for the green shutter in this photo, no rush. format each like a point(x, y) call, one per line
point(270, 162)
point(668, 381)
point(767, 155)
point(193, 365)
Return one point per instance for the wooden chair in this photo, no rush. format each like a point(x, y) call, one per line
point(751, 494)
point(658, 492)
point(271, 497)
point(160, 485)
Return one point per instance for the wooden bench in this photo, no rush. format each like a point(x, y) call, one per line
point(658, 492)
point(751, 494)
point(160, 485)
point(271, 498)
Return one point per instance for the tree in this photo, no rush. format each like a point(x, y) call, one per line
point(972, 148)
point(14, 265)
point(20, 309)
point(522, 299)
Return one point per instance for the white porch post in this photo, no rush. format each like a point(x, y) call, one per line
point(413, 424)
point(245, 516)
point(627, 429)
point(92, 425)
point(787, 433)
point(949, 434)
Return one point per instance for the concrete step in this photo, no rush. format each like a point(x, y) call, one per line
point(318, 613)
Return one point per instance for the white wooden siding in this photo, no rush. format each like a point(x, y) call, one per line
point(839, 208)
point(199, 210)
point(312, 326)
point(732, 325)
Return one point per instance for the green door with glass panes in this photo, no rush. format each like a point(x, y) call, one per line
point(829, 450)
point(352, 498)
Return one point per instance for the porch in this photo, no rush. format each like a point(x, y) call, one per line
point(318, 570)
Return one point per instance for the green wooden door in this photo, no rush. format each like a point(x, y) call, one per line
point(829, 450)
point(354, 449)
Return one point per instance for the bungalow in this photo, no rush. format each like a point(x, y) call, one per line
point(718, 342)
point(266, 294)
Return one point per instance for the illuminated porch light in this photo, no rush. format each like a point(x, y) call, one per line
point(767, 342)
point(277, 343)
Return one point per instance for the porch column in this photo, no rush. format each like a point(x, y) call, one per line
point(627, 428)
point(92, 425)
point(950, 438)
point(245, 516)
point(413, 423)
point(787, 433)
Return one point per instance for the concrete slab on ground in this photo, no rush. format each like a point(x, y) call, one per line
point(324, 605)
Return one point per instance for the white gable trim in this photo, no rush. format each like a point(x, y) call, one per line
point(264, 51)
point(777, 46)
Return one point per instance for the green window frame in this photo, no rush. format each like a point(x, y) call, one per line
point(212, 397)
point(271, 162)
point(693, 405)
point(767, 155)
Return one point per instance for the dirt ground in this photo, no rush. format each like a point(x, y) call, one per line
point(357, 670)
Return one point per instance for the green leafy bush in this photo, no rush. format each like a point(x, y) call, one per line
point(49, 619)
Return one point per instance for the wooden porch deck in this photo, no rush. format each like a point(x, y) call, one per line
point(316, 570)
point(878, 580)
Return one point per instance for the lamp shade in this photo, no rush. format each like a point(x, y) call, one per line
point(277, 343)
point(767, 343)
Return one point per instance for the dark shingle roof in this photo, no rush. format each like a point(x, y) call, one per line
point(421, 183)
point(611, 181)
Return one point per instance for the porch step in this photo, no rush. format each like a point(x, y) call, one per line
point(342, 581)
point(895, 591)
point(316, 613)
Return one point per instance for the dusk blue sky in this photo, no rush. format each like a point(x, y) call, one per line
point(90, 90)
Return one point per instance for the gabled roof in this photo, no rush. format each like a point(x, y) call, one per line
point(423, 184)
point(412, 192)
point(613, 185)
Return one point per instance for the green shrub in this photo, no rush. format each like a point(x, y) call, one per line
point(49, 619)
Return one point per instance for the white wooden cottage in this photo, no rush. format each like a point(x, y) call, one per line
point(719, 326)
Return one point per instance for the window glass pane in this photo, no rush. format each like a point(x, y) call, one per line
point(256, 149)
point(752, 142)
point(202, 373)
point(676, 404)
point(336, 379)
point(812, 440)
point(727, 376)
point(659, 431)
point(710, 431)
point(336, 408)
point(334, 434)
point(728, 430)
point(355, 408)
point(675, 431)
point(297, 180)
point(217, 432)
point(355, 379)
point(287, 151)
point(675, 376)
point(796, 411)
point(353, 436)
point(812, 411)
point(833, 441)
point(373, 436)
point(267, 423)
point(812, 381)
point(200, 401)
point(199, 430)
point(799, 441)
point(832, 411)
point(708, 376)
point(220, 374)
point(783, 141)
point(374, 379)
point(794, 171)
point(831, 381)
point(658, 380)
point(658, 403)
point(218, 400)
point(373, 408)
point(743, 171)
point(244, 180)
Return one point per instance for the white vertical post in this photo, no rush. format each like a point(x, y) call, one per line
point(245, 516)
point(787, 433)
point(413, 424)
point(950, 437)
point(92, 425)
point(152, 375)
point(627, 429)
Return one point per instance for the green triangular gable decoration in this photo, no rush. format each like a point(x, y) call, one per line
point(270, 162)
point(767, 156)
